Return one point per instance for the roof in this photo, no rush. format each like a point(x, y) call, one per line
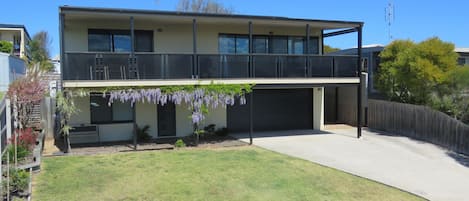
point(16, 26)
point(72, 9)
point(462, 49)
point(365, 49)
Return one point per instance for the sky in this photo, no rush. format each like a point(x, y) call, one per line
point(416, 20)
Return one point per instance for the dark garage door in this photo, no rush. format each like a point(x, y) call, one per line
point(279, 109)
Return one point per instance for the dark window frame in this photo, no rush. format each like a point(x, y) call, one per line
point(112, 32)
point(269, 38)
point(111, 114)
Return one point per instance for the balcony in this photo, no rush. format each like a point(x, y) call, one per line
point(150, 66)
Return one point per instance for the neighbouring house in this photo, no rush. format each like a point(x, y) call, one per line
point(369, 61)
point(283, 57)
point(11, 68)
point(463, 56)
point(19, 37)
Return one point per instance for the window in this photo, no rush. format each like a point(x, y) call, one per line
point(296, 45)
point(461, 61)
point(261, 44)
point(102, 113)
point(279, 45)
point(119, 40)
point(233, 44)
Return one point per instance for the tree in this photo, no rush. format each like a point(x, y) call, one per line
point(6, 47)
point(413, 73)
point(203, 6)
point(329, 49)
point(39, 47)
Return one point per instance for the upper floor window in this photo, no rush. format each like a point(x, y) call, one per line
point(239, 44)
point(119, 40)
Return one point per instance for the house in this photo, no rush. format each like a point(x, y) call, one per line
point(463, 56)
point(369, 61)
point(11, 68)
point(18, 36)
point(283, 57)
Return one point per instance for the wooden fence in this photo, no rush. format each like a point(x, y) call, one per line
point(419, 122)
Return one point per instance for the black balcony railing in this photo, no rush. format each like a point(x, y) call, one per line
point(122, 66)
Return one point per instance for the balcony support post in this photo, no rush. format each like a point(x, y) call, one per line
point(307, 51)
point(62, 50)
point(251, 119)
point(131, 65)
point(250, 67)
point(195, 70)
point(359, 88)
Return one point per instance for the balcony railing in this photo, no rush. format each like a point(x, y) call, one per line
point(122, 66)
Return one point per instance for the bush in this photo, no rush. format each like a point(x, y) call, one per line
point(19, 180)
point(6, 47)
point(179, 143)
point(21, 151)
point(142, 133)
point(210, 129)
point(222, 131)
point(27, 138)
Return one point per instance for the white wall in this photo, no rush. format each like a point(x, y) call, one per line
point(146, 114)
point(318, 108)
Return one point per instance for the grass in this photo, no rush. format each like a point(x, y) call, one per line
point(245, 173)
point(1, 95)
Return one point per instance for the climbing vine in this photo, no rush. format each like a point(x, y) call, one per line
point(198, 98)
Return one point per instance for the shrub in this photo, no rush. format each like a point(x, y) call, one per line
point(27, 138)
point(222, 131)
point(6, 47)
point(210, 129)
point(21, 152)
point(19, 180)
point(142, 133)
point(179, 143)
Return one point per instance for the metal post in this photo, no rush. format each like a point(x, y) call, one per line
point(359, 88)
point(251, 50)
point(132, 37)
point(307, 51)
point(251, 119)
point(62, 50)
point(195, 70)
point(135, 126)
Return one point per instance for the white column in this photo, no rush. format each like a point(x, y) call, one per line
point(318, 108)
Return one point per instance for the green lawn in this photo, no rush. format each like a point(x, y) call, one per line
point(1, 95)
point(245, 173)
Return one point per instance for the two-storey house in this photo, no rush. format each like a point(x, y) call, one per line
point(283, 57)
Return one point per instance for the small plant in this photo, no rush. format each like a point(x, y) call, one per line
point(222, 131)
point(19, 181)
point(142, 134)
point(27, 138)
point(180, 143)
point(21, 150)
point(210, 129)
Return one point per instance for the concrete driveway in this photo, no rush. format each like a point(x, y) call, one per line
point(417, 167)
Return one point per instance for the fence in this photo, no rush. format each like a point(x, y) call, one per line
point(419, 122)
point(6, 124)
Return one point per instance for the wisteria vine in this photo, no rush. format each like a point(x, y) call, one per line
point(198, 98)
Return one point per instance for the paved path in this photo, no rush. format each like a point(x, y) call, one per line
point(414, 166)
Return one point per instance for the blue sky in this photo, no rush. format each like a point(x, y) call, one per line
point(414, 19)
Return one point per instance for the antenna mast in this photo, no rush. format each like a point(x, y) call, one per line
point(389, 17)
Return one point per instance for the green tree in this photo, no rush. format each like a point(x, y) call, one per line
point(329, 49)
point(203, 6)
point(39, 47)
point(6, 47)
point(414, 72)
